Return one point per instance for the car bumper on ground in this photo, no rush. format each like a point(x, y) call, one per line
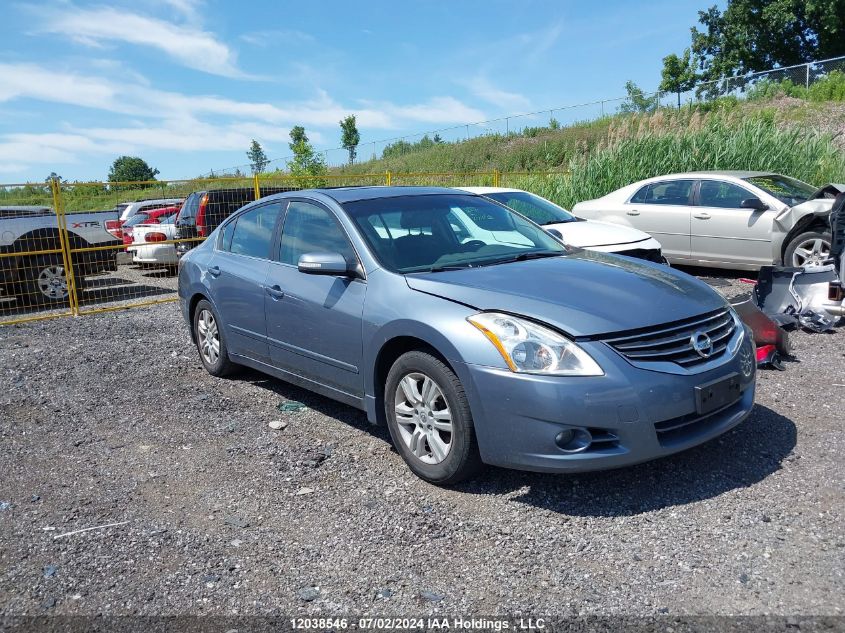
point(631, 415)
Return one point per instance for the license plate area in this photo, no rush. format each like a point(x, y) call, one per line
point(717, 394)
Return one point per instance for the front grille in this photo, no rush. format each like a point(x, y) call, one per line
point(672, 342)
point(648, 254)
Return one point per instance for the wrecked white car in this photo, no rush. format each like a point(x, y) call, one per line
point(725, 219)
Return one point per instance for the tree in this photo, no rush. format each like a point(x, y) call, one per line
point(305, 162)
point(350, 137)
point(637, 101)
point(678, 74)
point(131, 169)
point(437, 140)
point(755, 35)
point(257, 158)
point(54, 176)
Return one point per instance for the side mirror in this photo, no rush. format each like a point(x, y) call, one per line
point(323, 264)
point(753, 203)
point(555, 233)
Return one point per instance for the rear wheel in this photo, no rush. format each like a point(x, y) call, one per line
point(811, 248)
point(210, 341)
point(429, 419)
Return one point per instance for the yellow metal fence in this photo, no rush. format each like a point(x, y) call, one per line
point(69, 249)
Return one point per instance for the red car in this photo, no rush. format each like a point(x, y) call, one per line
point(150, 216)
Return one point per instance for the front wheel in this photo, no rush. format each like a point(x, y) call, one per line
point(44, 282)
point(429, 419)
point(811, 248)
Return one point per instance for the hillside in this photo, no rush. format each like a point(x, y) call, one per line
point(801, 138)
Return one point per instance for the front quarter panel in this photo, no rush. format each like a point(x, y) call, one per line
point(394, 310)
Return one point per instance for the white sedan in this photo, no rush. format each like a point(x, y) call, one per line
point(152, 244)
point(725, 219)
point(597, 236)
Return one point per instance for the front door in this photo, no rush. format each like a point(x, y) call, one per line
point(722, 231)
point(662, 209)
point(314, 321)
point(237, 273)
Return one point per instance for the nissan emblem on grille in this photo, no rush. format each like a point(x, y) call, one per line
point(687, 342)
point(702, 344)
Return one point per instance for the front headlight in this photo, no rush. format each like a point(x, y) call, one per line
point(533, 349)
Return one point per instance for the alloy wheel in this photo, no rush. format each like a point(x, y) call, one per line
point(208, 337)
point(423, 418)
point(52, 282)
point(811, 252)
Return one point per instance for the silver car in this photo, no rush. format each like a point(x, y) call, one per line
point(725, 219)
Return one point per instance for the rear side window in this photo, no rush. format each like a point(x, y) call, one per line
point(189, 209)
point(673, 192)
point(310, 228)
point(722, 195)
point(252, 232)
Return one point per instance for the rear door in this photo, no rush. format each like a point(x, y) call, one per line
point(724, 232)
point(237, 271)
point(314, 321)
point(662, 209)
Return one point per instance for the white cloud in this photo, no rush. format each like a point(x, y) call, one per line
point(192, 47)
point(43, 84)
point(12, 168)
point(172, 121)
point(506, 101)
point(187, 8)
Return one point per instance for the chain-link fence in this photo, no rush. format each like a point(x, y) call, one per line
point(80, 248)
point(797, 81)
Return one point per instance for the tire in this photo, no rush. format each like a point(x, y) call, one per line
point(812, 247)
point(418, 424)
point(211, 342)
point(44, 282)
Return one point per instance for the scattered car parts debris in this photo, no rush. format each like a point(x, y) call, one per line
point(772, 340)
point(798, 296)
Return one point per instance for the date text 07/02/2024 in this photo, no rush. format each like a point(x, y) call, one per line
point(429, 623)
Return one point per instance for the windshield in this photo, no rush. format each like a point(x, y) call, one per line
point(788, 190)
point(138, 218)
point(533, 207)
point(440, 232)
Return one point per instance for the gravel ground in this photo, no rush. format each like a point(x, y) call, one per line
point(110, 419)
point(129, 284)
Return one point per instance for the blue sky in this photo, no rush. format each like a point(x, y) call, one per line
point(186, 84)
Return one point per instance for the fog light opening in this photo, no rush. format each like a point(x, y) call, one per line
point(574, 440)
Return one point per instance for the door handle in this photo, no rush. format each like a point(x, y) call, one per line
point(702, 216)
point(275, 292)
point(214, 271)
point(633, 212)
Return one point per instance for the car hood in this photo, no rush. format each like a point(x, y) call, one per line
point(583, 293)
point(789, 217)
point(591, 233)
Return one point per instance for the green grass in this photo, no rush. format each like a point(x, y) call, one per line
point(597, 156)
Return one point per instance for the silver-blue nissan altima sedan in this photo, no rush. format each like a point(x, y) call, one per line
point(477, 337)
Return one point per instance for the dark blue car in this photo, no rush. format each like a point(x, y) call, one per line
point(477, 337)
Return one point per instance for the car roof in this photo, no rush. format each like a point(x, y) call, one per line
point(484, 190)
point(354, 194)
point(734, 173)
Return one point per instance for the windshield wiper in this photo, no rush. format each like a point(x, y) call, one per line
point(523, 257)
point(439, 268)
